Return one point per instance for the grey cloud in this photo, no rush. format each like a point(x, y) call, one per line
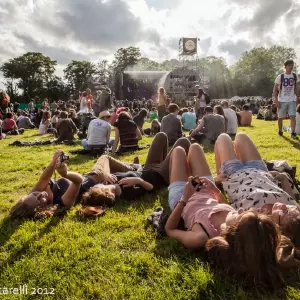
point(235, 49)
point(107, 24)
point(266, 14)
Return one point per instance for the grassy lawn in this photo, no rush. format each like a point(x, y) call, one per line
point(112, 257)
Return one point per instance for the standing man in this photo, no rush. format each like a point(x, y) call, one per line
point(286, 98)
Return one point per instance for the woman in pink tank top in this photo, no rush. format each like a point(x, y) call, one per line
point(242, 236)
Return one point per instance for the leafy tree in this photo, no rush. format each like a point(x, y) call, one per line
point(216, 77)
point(125, 57)
point(256, 70)
point(31, 71)
point(55, 89)
point(78, 74)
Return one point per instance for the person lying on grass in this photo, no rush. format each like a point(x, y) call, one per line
point(45, 192)
point(249, 184)
point(244, 244)
point(128, 183)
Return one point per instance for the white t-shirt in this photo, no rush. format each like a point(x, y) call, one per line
point(98, 132)
point(232, 126)
point(287, 93)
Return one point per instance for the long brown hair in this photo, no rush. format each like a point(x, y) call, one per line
point(248, 250)
point(98, 196)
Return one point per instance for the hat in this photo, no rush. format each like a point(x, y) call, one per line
point(104, 113)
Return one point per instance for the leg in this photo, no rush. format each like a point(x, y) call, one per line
point(293, 123)
point(163, 168)
point(197, 161)
point(282, 111)
point(223, 150)
point(245, 148)
point(178, 165)
point(158, 149)
point(84, 144)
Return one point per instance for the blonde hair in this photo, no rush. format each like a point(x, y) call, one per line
point(161, 90)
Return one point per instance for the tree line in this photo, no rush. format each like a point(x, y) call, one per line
point(31, 76)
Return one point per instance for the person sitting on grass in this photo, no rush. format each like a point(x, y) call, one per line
point(246, 116)
point(189, 120)
point(25, 122)
point(244, 244)
point(154, 129)
point(65, 128)
point(139, 119)
point(45, 192)
point(171, 125)
point(127, 133)
point(98, 134)
point(153, 114)
point(9, 125)
point(44, 126)
point(210, 126)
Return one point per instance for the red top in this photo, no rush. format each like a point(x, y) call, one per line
point(89, 99)
point(9, 124)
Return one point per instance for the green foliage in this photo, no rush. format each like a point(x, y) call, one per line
point(255, 72)
point(125, 57)
point(78, 74)
point(112, 257)
point(31, 70)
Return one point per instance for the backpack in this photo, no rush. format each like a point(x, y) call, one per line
point(207, 98)
point(282, 80)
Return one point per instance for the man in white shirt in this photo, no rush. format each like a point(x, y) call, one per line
point(286, 98)
point(230, 114)
point(98, 135)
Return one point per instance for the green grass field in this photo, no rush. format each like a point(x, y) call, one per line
point(112, 257)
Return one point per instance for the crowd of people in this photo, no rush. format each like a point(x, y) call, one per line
point(242, 229)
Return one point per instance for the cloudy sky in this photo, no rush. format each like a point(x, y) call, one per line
point(95, 29)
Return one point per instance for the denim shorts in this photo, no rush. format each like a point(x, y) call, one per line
point(176, 190)
point(287, 108)
point(231, 166)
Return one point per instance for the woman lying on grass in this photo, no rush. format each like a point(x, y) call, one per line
point(62, 192)
point(128, 183)
point(249, 184)
point(244, 244)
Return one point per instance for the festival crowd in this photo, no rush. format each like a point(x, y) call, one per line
point(245, 218)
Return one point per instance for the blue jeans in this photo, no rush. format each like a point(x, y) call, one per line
point(176, 190)
point(231, 166)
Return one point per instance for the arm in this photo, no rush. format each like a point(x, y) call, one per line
point(108, 134)
point(117, 138)
point(132, 181)
point(15, 126)
point(74, 128)
point(189, 239)
point(285, 185)
point(71, 193)
point(276, 92)
point(138, 134)
point(43, 181)
point(199, 128)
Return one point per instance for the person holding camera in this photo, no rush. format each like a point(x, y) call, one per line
point(234, 240)
point(47, 191)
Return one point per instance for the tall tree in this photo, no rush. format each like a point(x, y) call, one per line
point(216, 77)
point(55, 89)
point(256, 70)
point(78, 74)
point(31, 71)
point(125, 57)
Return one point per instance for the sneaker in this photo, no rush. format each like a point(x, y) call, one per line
point(294, 136)
point(280, 133)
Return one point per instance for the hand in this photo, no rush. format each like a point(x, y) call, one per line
point(209, 185)
point(62, 170)
point(278, 176)
point(57, 155)
point(277, 104)
point(189, 190)
point(111, 178)
point(130, 181)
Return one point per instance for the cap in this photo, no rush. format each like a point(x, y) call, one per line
point(104, 113)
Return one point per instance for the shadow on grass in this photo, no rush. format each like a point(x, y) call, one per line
point(17, 254)
point(294, 143)
point(7, 228)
